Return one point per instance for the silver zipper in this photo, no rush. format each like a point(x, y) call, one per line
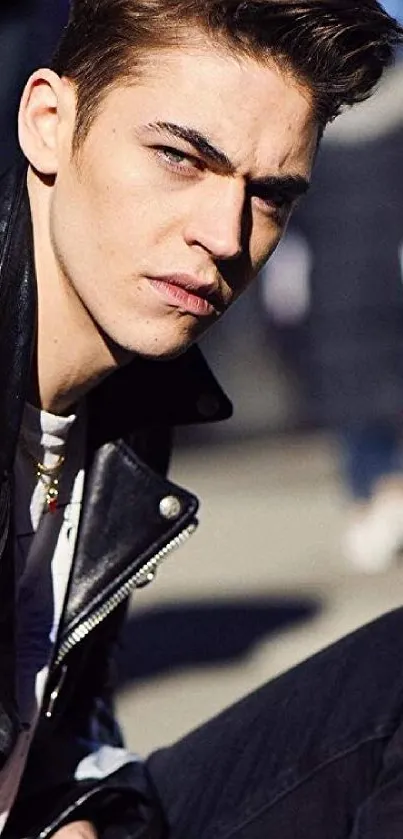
point(141, 578)
point(55, 693)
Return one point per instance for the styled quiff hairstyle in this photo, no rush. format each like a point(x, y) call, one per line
point(339, 48)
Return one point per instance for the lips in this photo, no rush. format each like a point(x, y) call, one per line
point(188, 293)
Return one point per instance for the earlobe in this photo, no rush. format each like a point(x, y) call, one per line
point(38, 120)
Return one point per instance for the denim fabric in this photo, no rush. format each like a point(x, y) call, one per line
point(370, 452)
point(315, 754)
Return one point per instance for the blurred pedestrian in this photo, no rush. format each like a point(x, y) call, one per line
point(339, 272)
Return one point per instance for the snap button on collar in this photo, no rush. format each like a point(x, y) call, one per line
point(207, 405)
point(170, 507)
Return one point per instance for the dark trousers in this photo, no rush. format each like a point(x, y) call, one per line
point(315, 754)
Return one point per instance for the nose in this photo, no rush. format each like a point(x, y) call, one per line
point(216, 223)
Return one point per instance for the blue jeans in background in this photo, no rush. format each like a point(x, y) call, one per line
point(370, 452)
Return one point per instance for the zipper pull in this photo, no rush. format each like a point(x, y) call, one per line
point(146, 578)
point(55, 692)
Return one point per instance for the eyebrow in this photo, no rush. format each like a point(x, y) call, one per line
point(199, 142)
point(291, 186)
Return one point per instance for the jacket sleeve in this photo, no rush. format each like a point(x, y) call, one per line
point(78, 766)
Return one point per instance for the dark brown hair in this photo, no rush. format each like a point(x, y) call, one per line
point(339, 48)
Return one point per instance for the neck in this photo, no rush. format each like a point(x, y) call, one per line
point(73, 356)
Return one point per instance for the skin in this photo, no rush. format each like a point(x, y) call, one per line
point(138, 202)
point(76, 830)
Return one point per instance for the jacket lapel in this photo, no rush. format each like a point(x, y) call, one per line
point(129, 514)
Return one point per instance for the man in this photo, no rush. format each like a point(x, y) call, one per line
point(166, 149)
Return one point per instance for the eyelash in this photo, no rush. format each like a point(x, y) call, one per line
point(186, 164)
point(278, 203)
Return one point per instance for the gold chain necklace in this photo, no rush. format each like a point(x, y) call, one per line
point(49, 477)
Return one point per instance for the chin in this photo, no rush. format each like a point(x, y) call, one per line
point(162, 353)
point(160, 348)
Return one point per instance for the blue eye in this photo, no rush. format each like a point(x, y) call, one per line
point(174, 156)
point(177, 160)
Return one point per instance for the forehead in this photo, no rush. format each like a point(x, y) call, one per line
point(257, 113)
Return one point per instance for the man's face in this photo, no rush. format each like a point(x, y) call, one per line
point(179, 194)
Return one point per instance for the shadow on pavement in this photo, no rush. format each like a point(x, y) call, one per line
point(196, 634)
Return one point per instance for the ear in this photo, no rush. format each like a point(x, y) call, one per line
point(42, 109)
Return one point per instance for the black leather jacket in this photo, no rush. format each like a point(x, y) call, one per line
point(132, 516)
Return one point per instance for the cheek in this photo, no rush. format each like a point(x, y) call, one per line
point(264, 243)
point(78, 229)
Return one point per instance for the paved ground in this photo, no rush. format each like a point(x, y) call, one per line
point(259, 587)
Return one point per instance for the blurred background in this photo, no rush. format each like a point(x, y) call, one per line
point(301, 525)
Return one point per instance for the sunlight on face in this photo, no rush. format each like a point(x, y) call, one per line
point(179, 194)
